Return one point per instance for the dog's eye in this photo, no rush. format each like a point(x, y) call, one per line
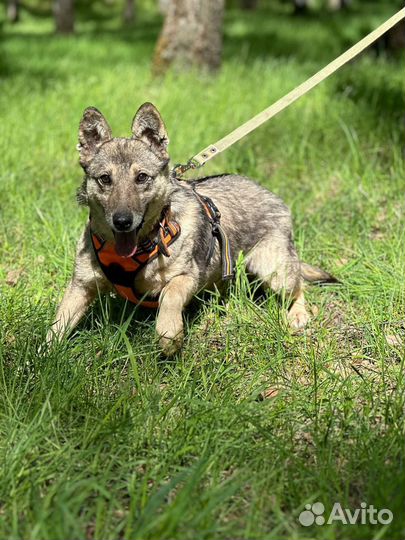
point(142, 178)
point(104, 180)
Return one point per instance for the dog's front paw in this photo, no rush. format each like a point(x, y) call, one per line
point(170, 346)
point(171, 335)
point(54, 335)
point(298, 317)
point(50, 338)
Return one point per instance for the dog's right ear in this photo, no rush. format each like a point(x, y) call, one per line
point(93, 132)
point(149, 127)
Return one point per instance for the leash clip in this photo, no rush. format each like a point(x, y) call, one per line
point(179, 169)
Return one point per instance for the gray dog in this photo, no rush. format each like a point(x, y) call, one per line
point(158, 241)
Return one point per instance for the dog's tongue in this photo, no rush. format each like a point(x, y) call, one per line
point(125, 243)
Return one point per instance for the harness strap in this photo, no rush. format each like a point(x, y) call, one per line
point(122, 274)
point(121, 271)
point(214, 217)
point(128, 294)
point(227, 269)
point(164, 225)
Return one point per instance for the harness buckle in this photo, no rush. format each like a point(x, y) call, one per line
point(215, 213)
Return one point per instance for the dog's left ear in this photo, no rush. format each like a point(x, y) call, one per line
point(93, 132)
point(148, 126)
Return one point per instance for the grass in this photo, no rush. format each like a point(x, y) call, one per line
point(103, 438)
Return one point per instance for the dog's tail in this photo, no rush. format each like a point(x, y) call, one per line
point(313, 274)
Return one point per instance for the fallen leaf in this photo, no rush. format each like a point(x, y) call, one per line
point(13, 277)
point(269, 393)
point(10, 339)
point(341, 262)
point(376, 234)
point(393, 340)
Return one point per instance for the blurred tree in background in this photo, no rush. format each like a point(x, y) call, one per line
point(191, 35)
point(163, 6)
point(300, 6)
point(249, 4)
point(338, 4)
point(13, 12)
point(129, 12)
point(64, 16)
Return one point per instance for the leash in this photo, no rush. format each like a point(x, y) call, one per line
point(213, 150)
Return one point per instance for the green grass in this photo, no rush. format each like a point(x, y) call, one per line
point(103, 438)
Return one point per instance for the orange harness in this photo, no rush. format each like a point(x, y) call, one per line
point(121, 271)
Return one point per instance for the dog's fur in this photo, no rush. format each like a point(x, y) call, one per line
point(256, 221)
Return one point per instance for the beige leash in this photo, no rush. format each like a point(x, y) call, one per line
point(214, 149)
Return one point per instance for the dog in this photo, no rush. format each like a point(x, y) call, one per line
point(158, 240)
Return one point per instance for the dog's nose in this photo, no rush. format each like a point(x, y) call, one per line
point(122, 221)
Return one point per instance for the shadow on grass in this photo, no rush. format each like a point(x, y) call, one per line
point(142, 321)
point(374, 95)
point(269, 32)
point(275, 32)
point(119, 312)
point(49, 48)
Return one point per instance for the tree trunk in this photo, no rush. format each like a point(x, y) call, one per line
point(300, 7)
point(64, 16)
point(191, 35)
point(249, 4)
point(336, 5)
point(129, 12)
point(13, 10)
point(396, 37)
point(164, 6)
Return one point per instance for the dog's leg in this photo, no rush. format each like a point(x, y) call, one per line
point(86, 283)
point(173, 299)
point(75, 302)
point(275, 262)
point(298, 315)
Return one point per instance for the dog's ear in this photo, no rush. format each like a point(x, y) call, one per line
point(93, 132)
point(148, 126)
